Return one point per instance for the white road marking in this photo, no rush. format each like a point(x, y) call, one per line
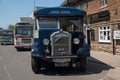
point(10, 78)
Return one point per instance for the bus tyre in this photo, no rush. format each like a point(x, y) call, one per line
point(36, 67)
point(78, 65)
point(17, 49)
point(83, 65)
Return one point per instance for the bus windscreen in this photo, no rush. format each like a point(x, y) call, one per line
point(21, 30)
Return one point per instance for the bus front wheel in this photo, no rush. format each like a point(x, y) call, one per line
point(83, 65)
point(36, 67)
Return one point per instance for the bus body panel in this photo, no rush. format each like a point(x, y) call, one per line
point(23, 42)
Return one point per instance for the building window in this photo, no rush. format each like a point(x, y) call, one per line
point(118, 26)
point(103, 3)
point(104, 34)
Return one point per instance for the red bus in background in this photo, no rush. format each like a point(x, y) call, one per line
point(23, 36)
point(6, 37)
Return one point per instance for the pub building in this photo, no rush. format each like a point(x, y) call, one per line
point(102, 20)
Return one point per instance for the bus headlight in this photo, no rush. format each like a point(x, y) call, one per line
point(76, 41)
point(46, 42)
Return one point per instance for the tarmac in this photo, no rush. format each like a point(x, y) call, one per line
point(109, 59)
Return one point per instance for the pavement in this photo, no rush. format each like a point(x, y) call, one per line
point(109, 59)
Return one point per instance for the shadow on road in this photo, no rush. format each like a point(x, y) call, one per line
point(23, 50)
point(94, 67)
point(62, 72)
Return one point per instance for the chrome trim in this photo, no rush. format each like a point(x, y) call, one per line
point(64, 32)
point(61, 57)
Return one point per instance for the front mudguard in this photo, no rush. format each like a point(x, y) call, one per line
point(34, 50)
point(84, 51)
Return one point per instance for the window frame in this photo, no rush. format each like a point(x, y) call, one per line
point(103, 3)
point(104, 32)
point(57, 21)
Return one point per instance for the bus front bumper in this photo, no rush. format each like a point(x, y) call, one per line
point(23, 47)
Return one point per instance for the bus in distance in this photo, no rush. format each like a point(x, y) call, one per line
point(6, 37)
point(23, 36)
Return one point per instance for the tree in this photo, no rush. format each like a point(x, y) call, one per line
point(1, 28)
point(11, 27)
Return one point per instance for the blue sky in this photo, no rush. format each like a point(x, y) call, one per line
point(12, 10)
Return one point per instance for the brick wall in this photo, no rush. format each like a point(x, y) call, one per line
point(93, 6)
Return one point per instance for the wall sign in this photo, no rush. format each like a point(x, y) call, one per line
point(101, 16)
point(60, 12)
point(116, 34)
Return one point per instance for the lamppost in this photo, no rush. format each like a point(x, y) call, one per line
point(114, 53)
point(34, 5)
point(114, 40)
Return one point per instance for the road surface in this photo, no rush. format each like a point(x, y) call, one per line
point(16, 65)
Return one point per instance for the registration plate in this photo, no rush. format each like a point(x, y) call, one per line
point(61, 60)
point(61, 64)
point(26, 46)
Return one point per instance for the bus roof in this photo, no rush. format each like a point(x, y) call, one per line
point(59, 11)
point(7, 30)
point(22, 23)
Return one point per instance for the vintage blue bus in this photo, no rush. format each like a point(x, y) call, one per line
point(59, 39)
